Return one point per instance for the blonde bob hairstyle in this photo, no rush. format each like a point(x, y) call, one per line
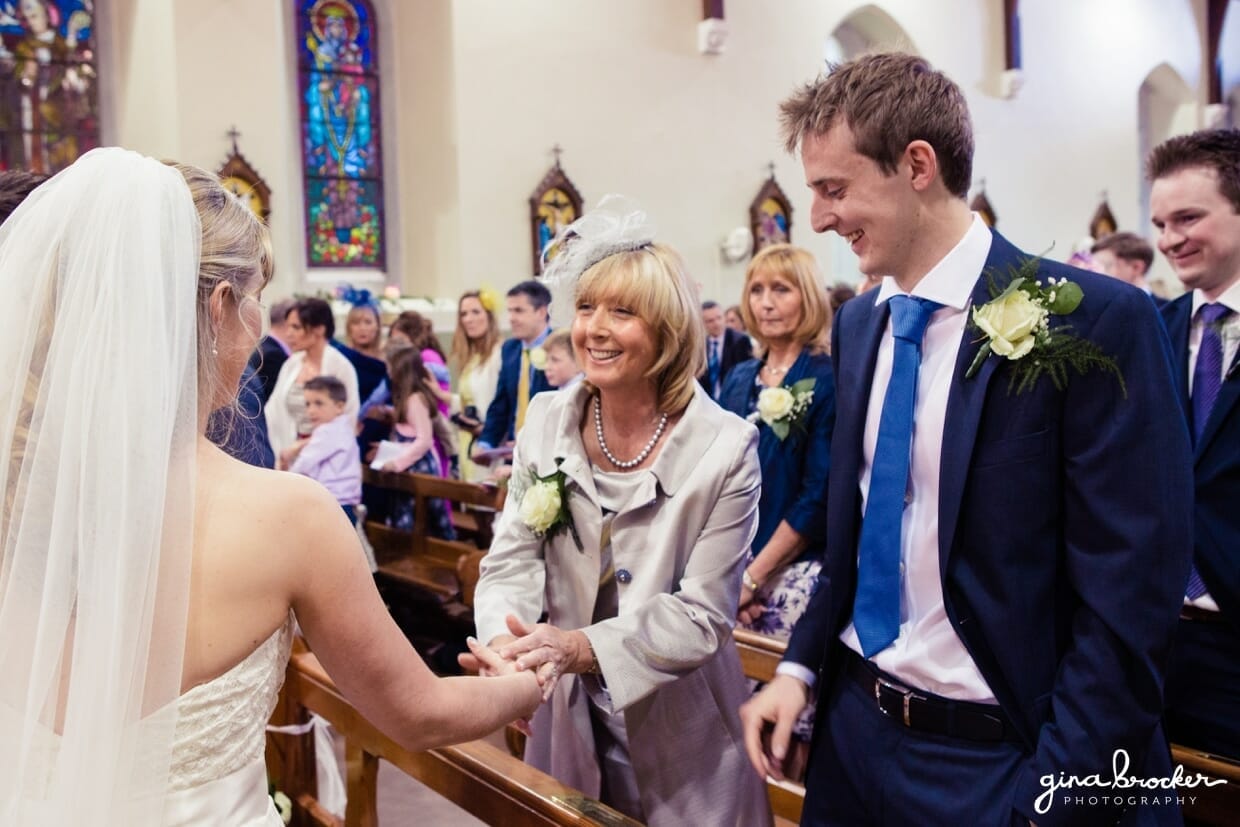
point(797, 267)
point(652, 283)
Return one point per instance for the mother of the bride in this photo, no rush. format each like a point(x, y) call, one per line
point(633, 504)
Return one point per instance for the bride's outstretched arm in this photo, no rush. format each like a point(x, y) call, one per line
point(348, 627)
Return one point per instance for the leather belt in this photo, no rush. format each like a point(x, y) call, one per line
point(920, 710)
point(1200, 615)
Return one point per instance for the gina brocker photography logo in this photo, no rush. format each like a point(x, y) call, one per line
point(1121, 788)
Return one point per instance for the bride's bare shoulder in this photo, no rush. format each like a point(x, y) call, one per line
point(276, 500)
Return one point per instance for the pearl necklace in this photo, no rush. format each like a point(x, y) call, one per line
point(602, 443)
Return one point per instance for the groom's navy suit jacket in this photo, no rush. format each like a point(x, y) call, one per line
point(1064, 535)
point(1216, 468)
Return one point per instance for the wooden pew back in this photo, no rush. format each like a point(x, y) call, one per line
point(478, 777)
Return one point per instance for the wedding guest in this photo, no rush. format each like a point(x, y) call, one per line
point(1127, 257)
point(241, 429)
point(476, 358)
point(1195, 207)
point(329, 456)
point(417, 330)
point(1004, 573)
point(309, 330)
point(837, 295)
point(15, 185)
point(362, 330)
point(149, 596)
point(732, 316)
point(273, 349)
point(562, 370)
point(789, 392)
point(637, 569)
point(725, 348)
point(416, 409)
point(519, 380)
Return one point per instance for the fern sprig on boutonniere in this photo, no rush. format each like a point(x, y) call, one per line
point(1016, 324)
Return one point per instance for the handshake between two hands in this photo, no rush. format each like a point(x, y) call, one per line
point(545, 650)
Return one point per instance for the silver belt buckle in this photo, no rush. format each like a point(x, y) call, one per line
point(905, 694)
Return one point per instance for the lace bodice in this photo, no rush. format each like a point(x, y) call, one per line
point(222, 723)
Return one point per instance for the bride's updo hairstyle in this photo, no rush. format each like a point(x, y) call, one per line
point(652, 283)
point(236, 250)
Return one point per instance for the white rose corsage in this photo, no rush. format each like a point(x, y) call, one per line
point(543, 505)
point(538, 358)
point(784, 408)
point(1015, 324)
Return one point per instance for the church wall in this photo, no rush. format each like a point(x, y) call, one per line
point(476, 92)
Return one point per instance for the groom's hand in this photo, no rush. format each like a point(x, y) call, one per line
point(767, 720)
point(470, 663)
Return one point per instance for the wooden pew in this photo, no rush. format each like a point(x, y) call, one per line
point(1213, 805)
point(479, 777)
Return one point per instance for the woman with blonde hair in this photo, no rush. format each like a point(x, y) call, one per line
point(630, 511)
point(363, 330)
point(789, 392)
point(149, 582)
point(476, 358)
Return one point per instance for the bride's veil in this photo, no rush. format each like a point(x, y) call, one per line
point(98, 432)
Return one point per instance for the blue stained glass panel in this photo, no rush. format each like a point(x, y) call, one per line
point(341, 148)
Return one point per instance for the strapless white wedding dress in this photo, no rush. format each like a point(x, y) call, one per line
point(219, 772)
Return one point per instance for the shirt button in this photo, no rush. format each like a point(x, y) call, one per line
point(623, 576)
point(908, 497)
point(901, 569)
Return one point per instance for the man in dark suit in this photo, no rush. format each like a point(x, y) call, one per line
point(272, 350)
point(1127, 257)
point(1002, 580)
point(1195, 206)
point(521, 363)
point(725, 348)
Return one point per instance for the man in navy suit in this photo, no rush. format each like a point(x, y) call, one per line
point(725, 349)
point(1002, 581)
point(1127, 257)
point(521, 362)
point(273, 349)
point(1195, 206)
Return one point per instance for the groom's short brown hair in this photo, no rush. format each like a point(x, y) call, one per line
point(888, 101)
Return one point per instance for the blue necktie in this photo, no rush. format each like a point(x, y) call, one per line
point(1207, 379)
point(712, 365)
point(876, 609)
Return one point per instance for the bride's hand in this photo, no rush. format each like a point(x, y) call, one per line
point(472, 664)
point(492, 664)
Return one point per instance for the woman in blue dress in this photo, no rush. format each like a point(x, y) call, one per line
point(789, 393)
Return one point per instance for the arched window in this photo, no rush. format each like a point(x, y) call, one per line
point(49, 111)
point(342, 158)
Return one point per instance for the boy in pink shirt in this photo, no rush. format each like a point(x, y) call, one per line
point(330, 454)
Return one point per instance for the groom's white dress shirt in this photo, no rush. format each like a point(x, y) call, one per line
point(927, 654)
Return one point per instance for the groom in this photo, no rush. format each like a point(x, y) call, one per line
point(1004, 565)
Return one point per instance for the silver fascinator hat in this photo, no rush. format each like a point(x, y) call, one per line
point(617, 224)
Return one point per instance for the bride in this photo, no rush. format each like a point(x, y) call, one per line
point(148, 582)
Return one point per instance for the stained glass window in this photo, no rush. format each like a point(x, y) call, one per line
point(342, 158)
point(49, 112)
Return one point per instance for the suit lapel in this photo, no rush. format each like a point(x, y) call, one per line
point(965, 401)
point(1177, 317)
point(853, 399)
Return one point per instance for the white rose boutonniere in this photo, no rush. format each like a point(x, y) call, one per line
point(543, 505)
point(538, 358)
point(784, 408)
point(1015, 324)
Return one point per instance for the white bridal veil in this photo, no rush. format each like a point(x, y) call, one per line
point(98, 433)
